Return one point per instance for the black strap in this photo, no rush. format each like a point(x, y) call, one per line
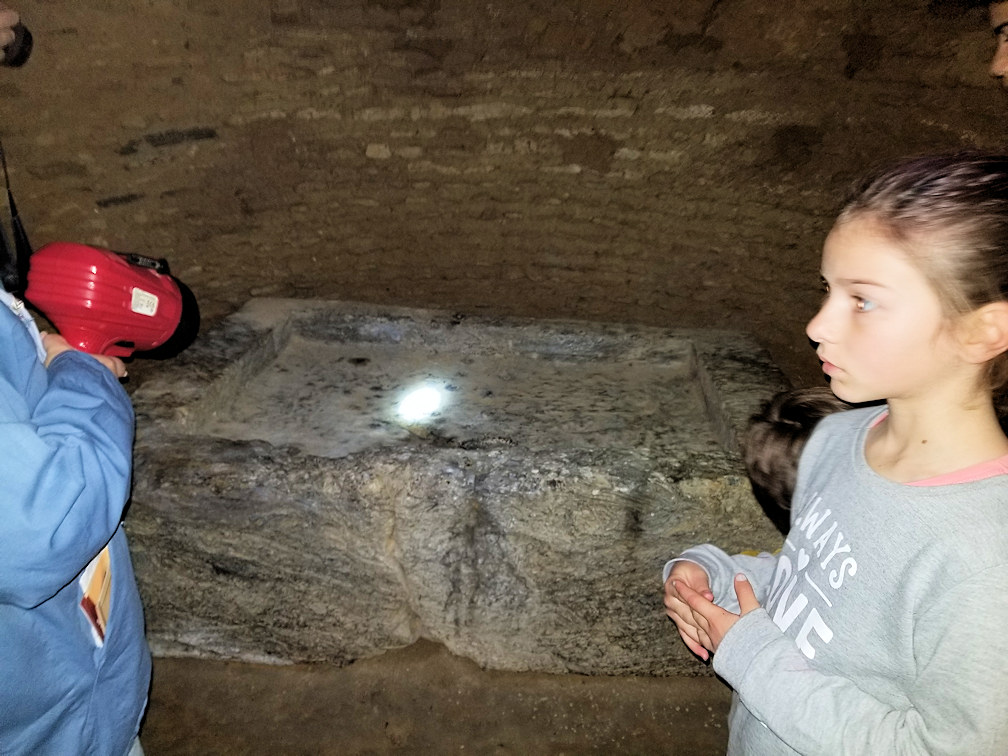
point(13, 260)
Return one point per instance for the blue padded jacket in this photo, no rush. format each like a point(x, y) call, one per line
point(68, 433)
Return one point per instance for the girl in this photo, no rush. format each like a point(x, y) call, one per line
point(881, 626)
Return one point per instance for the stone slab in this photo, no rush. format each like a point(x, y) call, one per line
point(285, 511)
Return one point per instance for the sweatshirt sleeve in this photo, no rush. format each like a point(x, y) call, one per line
point(956, 702)
point(66, 470)
point(721, 569)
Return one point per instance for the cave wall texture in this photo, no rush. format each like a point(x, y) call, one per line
point(670, 163)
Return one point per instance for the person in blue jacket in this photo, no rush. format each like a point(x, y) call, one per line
point(73, 655)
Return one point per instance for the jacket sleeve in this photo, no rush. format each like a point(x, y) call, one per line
point(66, 470)
point(956, 706)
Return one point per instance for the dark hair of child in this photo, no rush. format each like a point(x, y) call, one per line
point(774, 440)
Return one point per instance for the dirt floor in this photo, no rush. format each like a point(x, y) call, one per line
point(618, 162)
point(422, 700)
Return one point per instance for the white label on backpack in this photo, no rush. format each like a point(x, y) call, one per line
point(144, 302)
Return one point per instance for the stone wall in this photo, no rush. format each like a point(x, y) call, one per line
point(661, 164)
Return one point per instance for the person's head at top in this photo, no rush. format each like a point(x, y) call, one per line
point(916, 271)
point(999, 25)
point(9, 18)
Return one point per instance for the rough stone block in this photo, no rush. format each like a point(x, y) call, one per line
point(283, 510)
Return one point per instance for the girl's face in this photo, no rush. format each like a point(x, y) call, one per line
point(881, 331)
point(999, 24)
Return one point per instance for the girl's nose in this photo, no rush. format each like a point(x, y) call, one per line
point(819, 328)
point(999, 63)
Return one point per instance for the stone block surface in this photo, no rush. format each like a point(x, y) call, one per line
point(285, 511)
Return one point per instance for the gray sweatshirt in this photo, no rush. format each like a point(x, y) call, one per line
point(884, 619)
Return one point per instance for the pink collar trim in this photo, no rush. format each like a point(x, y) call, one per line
point(981, 471)
point(990, 469)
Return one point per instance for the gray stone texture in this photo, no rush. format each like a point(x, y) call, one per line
point(282, 512)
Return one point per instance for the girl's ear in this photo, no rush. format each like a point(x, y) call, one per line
point(985, 333)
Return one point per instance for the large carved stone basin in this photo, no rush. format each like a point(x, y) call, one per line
point(285, 509)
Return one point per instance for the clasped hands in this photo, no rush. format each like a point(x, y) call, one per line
point(689, 603)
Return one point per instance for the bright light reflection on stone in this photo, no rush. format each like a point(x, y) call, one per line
point(420, 404)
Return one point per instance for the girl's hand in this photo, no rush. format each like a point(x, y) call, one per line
point(55, 344)
point(693, 576)
point(713, 622)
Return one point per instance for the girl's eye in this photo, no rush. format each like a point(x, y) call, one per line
point(863, 305)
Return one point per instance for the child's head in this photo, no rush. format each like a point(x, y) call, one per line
point(948, 214)
point(774, 441)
